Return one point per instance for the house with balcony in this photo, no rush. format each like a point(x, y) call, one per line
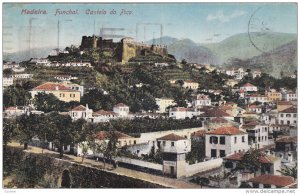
point(258, 134)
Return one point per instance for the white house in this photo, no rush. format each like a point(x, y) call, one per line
point(258, 98)
point(201, 100)
point(288, 116)
point(81, 112)
point(254, 108)
point(13, 112)
point(65, 77)
point(258, 134)
point(188, 84)
point(174, 148)
point(289, 96)
point(248, 88)
point(224, 141)
point(23, 76)
point(236, 73)
point(103, 116)
point(121, 109)
point(8, 81)
point(182, 113)
point(74, 87)
point(163, 104)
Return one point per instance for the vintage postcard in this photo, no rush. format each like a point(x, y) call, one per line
point(150, 95)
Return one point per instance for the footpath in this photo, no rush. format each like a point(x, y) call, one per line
point(160, 180)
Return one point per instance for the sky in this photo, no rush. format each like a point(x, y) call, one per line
point(200, 22)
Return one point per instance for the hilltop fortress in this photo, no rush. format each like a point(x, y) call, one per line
point(126, 49)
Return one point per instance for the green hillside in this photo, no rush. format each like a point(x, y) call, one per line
point(239, 46)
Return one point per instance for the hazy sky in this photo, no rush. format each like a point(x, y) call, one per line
point(200, 22)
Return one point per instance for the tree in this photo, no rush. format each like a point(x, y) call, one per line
point(26, 126)
point(9, 131)
point(61, 131)
point(289, 171)
point(251, 161)
point(85, 136)
point(48, 102)
point(15, 96)
point(108, 147)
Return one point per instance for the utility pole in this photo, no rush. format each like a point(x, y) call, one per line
point(30, 35)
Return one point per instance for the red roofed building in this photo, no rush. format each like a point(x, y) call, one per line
point(104, 116)
point(62, 92)
point(249, 88)
point(271, 181)
point(224, 141)
point(269, 164)
point(174, 148)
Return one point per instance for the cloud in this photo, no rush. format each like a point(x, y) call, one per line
point(219, 15)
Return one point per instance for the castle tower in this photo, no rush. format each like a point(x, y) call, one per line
point(174, 149)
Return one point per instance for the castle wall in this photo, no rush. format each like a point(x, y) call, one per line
point(125, 49)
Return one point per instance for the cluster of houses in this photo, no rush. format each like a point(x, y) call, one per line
point(47, 63)
point(268, 123)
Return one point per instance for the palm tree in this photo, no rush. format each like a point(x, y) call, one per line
point(289, 171)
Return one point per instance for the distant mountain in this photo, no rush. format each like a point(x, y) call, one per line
point(283, 58)
point(26, 55)
point(239, 46)
point(188, 50)
point(166, 40)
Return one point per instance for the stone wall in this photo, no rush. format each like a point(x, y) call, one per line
point(203, 166)
point(56, 173)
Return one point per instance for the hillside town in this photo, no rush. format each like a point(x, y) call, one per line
point(206, 124)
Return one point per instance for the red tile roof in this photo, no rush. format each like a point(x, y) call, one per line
point(287, 140)
point(103, 112)
point(49, 86)
point(226, 131)
point(171, 137)
point(79, 108)
point(218, 120)
point(248, 85)
point(179, 109)
point(265, 159)
point(215, 112)
point(102, 135)
point(200, 133)
point(284, 103)
point(12, 108)
point(281, 181)
point(289, 110)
